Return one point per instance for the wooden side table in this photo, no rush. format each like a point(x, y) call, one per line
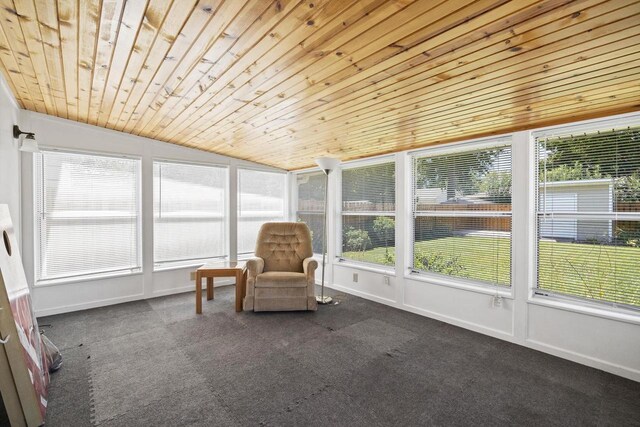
point(235, 269)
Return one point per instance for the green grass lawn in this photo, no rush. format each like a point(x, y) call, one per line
point(586, 270)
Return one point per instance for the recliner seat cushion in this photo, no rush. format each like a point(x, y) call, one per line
point(281, 279)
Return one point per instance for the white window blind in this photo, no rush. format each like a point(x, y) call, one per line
point(589, 215)
point(261, 198)
point(189, 206)
point(368, 213)
point(462, 213)
point(87, 215)
point(310, 204)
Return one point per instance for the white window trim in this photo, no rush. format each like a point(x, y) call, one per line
point(459, 283)
point(441, 279)
point(189, 264)
point(601, 309)
point(364, 266)
point(462, 146)
point(576, 305)
point(286, 210)
point(294, 197)
point(388, 270)
point(86, 278)
point(194, 262)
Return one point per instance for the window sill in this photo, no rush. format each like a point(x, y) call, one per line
point(178, 267)
point(187, 265)
point(84, 279)
point(618, 314)
point(457, 284)
point(365, 267)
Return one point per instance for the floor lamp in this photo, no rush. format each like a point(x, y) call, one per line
point(327, 164)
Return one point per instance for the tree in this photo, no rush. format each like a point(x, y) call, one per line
point(385, 228)
point(628, 188)
point(496, 185)
point(595, 155)
point(577, 171)
point(375, 184)
point(613, 154)
point(456, 173)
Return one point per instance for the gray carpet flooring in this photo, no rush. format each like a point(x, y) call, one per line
point(356, 363)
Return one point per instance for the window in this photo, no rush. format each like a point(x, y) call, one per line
point(189, 213)
point(462, 213)
point(310, 209)
point(589, 214)
point(368, 213)
point(261, 197)
point(87, 215)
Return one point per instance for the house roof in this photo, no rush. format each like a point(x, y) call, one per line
point(603, 182)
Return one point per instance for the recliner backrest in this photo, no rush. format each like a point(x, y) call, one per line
point(284, 245)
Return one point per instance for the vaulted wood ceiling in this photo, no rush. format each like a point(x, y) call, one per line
point(283, 82)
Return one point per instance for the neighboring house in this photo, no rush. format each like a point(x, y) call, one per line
point(596, 195)
point(430, 196)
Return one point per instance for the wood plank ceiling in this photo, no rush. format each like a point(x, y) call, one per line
point(283, 82)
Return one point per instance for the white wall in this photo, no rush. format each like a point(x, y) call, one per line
point(53, 132)
point(9, 156)
point(595, 337)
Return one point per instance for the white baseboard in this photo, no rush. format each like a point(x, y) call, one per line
point(87, 305)
point(593, 362)
point(119, 300)
point(361, 294)
point(426, 313)
point(496, 333)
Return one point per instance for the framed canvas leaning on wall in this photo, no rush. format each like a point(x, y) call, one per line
point(24, 374)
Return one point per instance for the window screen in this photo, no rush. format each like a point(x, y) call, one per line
point(368, 213)
point(462, 213)
point(189, 205)
point(261, 198)
point(310, 205)
point(87, 215)
point(589, 215)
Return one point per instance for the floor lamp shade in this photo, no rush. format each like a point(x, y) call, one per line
point(327, 164)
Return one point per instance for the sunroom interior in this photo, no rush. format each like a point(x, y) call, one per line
point(482, 226)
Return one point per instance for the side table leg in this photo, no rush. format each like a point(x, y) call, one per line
point(198, 293)
point(209, 288)
point(239, 287)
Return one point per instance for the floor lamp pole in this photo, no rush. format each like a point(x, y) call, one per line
point(322, 299)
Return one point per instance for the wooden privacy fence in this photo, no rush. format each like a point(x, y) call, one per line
point(427, 225)
point(627, 227)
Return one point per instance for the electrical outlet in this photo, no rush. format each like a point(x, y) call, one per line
point(387, 281)
point(355, 277)
point(497, 301)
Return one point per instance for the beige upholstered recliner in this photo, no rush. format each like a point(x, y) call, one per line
point(282, 275)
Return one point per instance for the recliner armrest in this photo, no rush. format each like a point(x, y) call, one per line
point(309, 266)
point(255, 266)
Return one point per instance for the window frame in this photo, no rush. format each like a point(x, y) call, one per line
point(38, 177)
point(196, 262)
point(442, 279)
point(603, 309)
point(285, 210)
point(337, 213)
point(295, 198)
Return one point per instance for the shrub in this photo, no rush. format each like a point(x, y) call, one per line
point(357, 240)
point(438, 262)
